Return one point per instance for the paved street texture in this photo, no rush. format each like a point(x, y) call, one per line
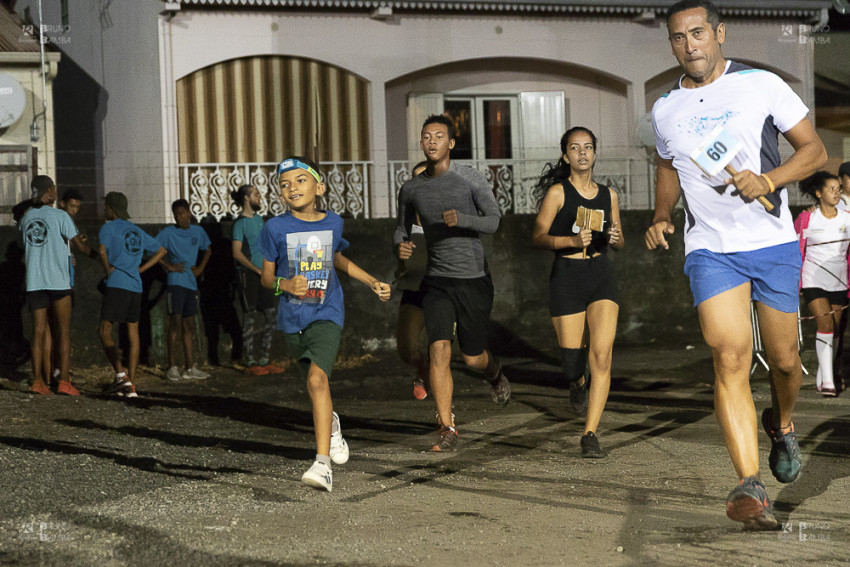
point(208, 473)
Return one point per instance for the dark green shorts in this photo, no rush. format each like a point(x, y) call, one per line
point(318, 343)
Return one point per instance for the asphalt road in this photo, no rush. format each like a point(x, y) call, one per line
point(208, 473)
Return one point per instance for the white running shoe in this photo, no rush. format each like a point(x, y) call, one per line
point(195, 373)
point(173, 374)
point(319, 475)
point(339, 446)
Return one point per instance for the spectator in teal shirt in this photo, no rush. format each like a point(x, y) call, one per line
point(183, 241)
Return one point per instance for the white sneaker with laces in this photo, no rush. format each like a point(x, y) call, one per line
point(173, 374)
point(195, 373)
point(339, 446)
point(319, 475)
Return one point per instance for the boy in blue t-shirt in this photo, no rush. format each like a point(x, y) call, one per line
point(46, 233)
point(301, 249)
point(183, 241)
point(256, 300)
point(70, 203)
point(122, 246)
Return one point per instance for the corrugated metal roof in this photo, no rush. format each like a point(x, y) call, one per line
point(747, 8)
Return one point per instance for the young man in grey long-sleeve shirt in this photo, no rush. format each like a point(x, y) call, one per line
point(454, 204)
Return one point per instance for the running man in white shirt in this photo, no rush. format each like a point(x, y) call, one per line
point(736, 251)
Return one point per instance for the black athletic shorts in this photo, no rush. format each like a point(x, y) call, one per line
point(42, 298)
point(833, 297)
point(468, 303)
point(412, 297)
point(254, 296)
point(121, 305)
point(182, 301)
point(574, 284)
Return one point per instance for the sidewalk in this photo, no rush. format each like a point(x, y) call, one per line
point(209, 473)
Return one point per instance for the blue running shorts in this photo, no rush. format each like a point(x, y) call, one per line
point(773, 271)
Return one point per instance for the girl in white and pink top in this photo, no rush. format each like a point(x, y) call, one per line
point(824, 242)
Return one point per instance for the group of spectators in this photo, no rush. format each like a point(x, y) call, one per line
point(125, 251)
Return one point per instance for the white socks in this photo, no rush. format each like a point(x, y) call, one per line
point(823, 348)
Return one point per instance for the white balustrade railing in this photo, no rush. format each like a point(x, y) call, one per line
point(513, 181)
point(207, 187)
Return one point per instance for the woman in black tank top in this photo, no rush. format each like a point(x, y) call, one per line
point(579, 220)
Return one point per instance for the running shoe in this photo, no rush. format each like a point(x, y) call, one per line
point(118, 387)
point(579, 397)
point(130, 391)
point(828, 391)
point(590, 448)
point(195, 373)
point(339, 446)
point(173, 374)
point(65, 388)
point(748, 502)
point(39, 387)
point(500, 389)
point(256, 370)
point(420, 392)
point(319, 475)
point(785, 458)
point(446, 440)
point(274, 368)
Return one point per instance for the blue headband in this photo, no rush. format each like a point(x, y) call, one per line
point(290, 164)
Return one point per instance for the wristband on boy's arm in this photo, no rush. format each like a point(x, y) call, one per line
point(277, 290)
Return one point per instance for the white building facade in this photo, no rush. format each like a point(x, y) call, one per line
point(200, 96)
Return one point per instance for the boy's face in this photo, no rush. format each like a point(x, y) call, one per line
point(182, 217)
point(71, 206)
point(435, 142)
point(298, 188)
point(108, 213)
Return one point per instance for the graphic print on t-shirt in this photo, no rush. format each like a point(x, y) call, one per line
point(133, 243)
point(311, 255)
point(36, 232)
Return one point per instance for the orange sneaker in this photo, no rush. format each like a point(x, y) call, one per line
point(65, 387)
point(274, 369)
point(39, 387)
point(420, 391)
point(256, 370)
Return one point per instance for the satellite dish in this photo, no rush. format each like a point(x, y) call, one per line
point(645, 132)
point(13, 100)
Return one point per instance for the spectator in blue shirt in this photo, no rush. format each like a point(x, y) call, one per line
point(183, 241)
point(46, 232)
point(257, 302)
point(122, 248)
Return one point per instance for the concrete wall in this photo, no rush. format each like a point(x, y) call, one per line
point(109, 133)
point(655, 298)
